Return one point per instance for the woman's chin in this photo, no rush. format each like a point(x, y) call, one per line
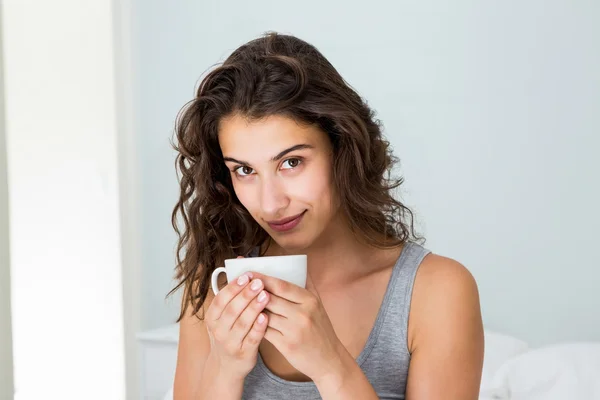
point(292, 244)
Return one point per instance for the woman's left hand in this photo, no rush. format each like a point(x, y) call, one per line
point(300, 328)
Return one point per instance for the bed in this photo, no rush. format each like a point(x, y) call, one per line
point(515, 371)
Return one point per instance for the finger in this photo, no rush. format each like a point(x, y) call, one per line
point(274, 336)
point(281, 288)
point(239, 303)
point(248, 317)
point(225, 295)
point(281, 306)
point(277, 322)
point(257, 333)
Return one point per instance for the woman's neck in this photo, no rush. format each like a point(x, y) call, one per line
point(339, 256)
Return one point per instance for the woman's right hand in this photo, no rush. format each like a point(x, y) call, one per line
point(236, 325)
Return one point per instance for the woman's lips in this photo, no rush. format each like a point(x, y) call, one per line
point(286, 224)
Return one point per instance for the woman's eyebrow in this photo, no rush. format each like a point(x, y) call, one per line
point(290, 149)
point(235, 161)
point(277, 157)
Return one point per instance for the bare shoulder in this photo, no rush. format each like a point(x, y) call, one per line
point(445, 332)
point(444, 274)
point(445, 295)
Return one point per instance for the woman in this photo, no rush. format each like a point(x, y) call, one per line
point(278, 155)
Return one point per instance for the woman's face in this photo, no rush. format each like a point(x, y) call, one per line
point(282, 174)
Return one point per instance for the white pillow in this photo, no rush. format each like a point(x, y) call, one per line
point(564, 371)
point(499, 348)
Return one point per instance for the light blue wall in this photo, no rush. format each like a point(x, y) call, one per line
point(493, 108)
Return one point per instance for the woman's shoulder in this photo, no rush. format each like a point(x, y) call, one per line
point(445, 297)
point(443, 274)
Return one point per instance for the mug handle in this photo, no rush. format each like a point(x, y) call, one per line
point(214, 277)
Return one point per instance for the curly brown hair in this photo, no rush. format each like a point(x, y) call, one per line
point(276, 75)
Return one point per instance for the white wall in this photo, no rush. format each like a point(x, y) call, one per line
point(6, 359)
point(62, 129)
point(129, 201)
point(492, 107)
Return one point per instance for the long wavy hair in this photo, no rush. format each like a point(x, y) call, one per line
point(275, 75)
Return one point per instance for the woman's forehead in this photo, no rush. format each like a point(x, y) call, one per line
point(266, 137)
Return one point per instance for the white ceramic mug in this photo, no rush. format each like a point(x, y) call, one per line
point(287, 268)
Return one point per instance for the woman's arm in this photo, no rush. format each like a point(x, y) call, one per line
point(347, 381)
point(197, 376)
point(445, 340)
point(445, 333)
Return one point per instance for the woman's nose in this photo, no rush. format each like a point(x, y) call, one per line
point(273, 197)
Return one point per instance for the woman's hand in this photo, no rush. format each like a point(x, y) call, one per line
point(236, 325)
point(300, 328)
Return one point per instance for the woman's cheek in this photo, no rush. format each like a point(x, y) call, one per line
point(311, 187)
point(244, 195)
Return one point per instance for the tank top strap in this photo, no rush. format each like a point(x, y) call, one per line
point(407, 272)
point(403, 279)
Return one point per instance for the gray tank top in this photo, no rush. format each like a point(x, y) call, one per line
point(385, 357)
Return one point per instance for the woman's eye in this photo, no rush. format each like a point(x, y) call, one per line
point(291, 163)
point(244, 170)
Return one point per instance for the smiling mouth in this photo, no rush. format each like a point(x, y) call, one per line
point(286, 224)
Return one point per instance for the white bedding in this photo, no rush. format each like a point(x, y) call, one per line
point(513, 371)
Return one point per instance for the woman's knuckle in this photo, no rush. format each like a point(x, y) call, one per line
point(248, 295)
point(242, 325)
point(292, 345)
point(229, 350)
point(230, 312)
point(256, 306)
point(282, 286)
point(312, 304)
point(252, 339)
point(304, 321)
point(217, 303)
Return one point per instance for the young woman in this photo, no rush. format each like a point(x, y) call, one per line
point(278, 155)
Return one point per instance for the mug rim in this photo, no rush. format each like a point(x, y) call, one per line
point(267, 257)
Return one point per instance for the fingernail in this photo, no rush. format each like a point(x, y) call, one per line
point(261, 318)
point(242, 280)
point(256, 284)
point(262, 296)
